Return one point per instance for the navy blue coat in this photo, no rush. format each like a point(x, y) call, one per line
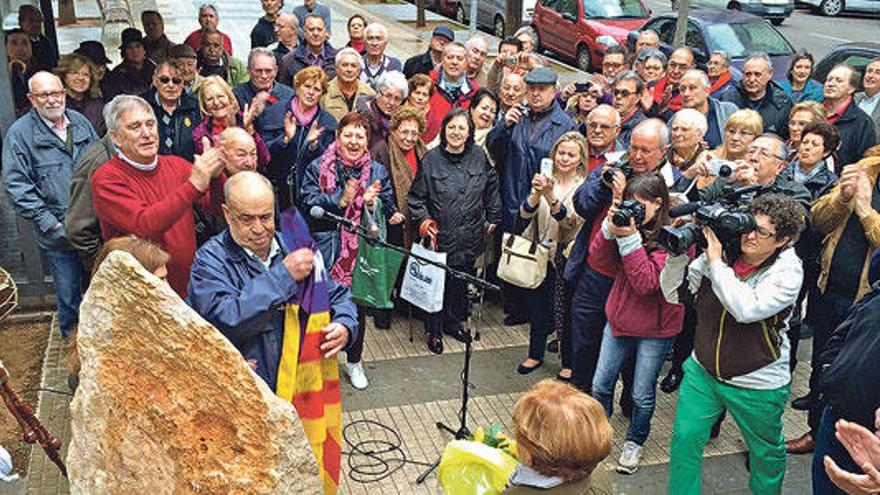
point(325, 232)
point(519, 158)
point(289, 161)
point(245, 301)
point(245, 93)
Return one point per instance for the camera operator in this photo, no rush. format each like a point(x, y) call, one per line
point(592, 285)
point(766, 158)
point(741, 351)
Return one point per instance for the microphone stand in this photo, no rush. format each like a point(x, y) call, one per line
point(462, 432)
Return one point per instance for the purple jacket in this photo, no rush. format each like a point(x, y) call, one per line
point(205, 129)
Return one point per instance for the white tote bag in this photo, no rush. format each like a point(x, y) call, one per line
point(423, 283)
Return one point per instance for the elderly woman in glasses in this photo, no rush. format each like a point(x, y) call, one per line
point(391, 91)
point(80, 78)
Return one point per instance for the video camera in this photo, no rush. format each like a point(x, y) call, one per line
point(728, 218)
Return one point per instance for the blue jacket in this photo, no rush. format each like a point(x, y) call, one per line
point(245, 93)
point(38, 171)
point(325, 232)
point(245, 301)
point(289, 161)
point(813, 91)
point(519, 158)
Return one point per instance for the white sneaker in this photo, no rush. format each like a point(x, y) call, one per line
point(356, 375)
point(630, 455)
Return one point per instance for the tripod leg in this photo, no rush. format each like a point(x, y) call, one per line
point(422, 477)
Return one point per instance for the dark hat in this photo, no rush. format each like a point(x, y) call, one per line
point(181, 51)
point(445, 32)
point(541, 75)
point(131, 35)
point(94, 51)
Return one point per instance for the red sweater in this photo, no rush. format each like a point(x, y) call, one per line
point(636, 306)
point(155, 205)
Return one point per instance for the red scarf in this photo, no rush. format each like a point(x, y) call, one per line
point(674, 102)
point(412, 160)
point(341, 270)
point(719, 81)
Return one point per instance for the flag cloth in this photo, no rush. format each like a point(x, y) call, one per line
point(305, 377)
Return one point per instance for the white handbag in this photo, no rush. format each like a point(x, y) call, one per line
point(523, 262)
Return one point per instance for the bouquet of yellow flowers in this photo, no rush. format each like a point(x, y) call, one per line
point(480, 465)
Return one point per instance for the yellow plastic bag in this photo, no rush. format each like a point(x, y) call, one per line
point(472, 468)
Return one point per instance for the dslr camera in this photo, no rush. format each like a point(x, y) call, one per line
point(622, 166)
point(728, 218)
point(627, 210)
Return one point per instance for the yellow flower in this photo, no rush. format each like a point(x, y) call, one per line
point(479, 435)
point(513, 449)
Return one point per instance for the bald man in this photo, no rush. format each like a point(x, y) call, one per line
point(241, 150)
point(241, 277)
point(40, 153)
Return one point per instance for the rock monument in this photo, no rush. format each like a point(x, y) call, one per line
point(166, 404)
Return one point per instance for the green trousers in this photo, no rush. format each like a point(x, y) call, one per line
point(758, 413)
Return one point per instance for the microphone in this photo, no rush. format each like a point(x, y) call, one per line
point(319, 213)
point(685, 209)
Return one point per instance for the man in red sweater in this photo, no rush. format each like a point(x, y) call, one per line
point(142, 193)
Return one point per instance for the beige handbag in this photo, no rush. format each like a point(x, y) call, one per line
point(523, 262)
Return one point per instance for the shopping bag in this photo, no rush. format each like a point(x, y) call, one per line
point(423, 283)
point(472, 468)
point(523, 262)
point(376, 267)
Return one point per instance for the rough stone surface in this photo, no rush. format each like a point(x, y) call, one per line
point(167, 405)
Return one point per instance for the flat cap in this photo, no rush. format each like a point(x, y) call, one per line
point(541, 75)
point(445, 32)
point(181, 51)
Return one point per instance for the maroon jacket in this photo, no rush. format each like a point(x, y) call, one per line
point(636, 306)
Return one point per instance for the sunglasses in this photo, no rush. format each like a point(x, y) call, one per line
point(623, 93)
point(166, 80)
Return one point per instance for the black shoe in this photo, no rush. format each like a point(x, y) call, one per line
point(671, 382)
point(802, 403)
point(513, 320)
point(561, 378)
point(382, 319)
point(553, 346)
point(525, 370)
point(458, 333)
point(435, 344)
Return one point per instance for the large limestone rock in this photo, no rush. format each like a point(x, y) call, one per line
point(166, 404)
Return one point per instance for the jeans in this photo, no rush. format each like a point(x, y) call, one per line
point(827, 444)
point(650, 354)
point(540, 303)
point(66, 269)
point(587, 321)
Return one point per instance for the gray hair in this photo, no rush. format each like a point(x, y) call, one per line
point(314, 15)
point(693, 117)
point(453, 44)
point(209, 5)
point(782, 151)
point(477, 38)
point(121, 104)
point(393, 80)
point(648, 53)
point(376, 26)
point(609, 109)
point(347, 51)
point(762, 56)
point(260, 50)
point(249, 179)
point(41, 75)
point(655, 125)
point(725, 57)
point(631, 75)
point(527, 30)
point(703, 78)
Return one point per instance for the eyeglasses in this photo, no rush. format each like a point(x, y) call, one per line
point(599, 125)
point(742, 132)
point(165, 80)
point(623, 93)
point(53, 95)
point(390, 96)
point(763, 233)
point(676, 65)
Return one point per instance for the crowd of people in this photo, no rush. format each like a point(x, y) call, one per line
point(201, 153)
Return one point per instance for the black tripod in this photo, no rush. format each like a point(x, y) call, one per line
point(462, 432)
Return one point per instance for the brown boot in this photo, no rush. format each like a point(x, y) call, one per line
point(803, 444)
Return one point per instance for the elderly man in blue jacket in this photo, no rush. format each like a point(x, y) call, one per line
point(40, 153)
point(243, 278)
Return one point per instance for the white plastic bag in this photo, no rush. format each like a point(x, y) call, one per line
point(423, 283)
point(6, 466)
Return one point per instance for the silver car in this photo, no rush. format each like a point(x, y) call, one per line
point(776, 11)
point(490, 14)
point(834, 7)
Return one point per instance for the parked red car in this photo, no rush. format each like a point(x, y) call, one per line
point(581, 30)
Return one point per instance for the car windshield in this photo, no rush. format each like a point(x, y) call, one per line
point(614, 9)
point(741, 40)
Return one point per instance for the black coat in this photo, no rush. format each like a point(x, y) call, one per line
point(849, 383)
point(418, 64)
point(460, 193)
point(809, 245)
point(774, 107)
point(856, 136)
point(185, 118)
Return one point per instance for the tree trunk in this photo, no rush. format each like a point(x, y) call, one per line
point(681, 23)
point(420, 13)
point(66, 12)
point(513, 16)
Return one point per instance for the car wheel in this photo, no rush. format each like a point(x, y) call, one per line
point(459, 14)
point(777, 21)
point(831, 7)
point(583, 59)
point(499, 26)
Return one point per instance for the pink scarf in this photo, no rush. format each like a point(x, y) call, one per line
point(302, 118)
point(341, 270)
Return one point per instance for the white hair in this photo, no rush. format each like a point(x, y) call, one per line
point(347, 51)
point(376, 26)
point(393, 80)
point(477, 38)
point(608, 108)
point(693, 117)
point(703, 78)
point(121, 104)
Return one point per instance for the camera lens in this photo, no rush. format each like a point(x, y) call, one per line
point(725, 171)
